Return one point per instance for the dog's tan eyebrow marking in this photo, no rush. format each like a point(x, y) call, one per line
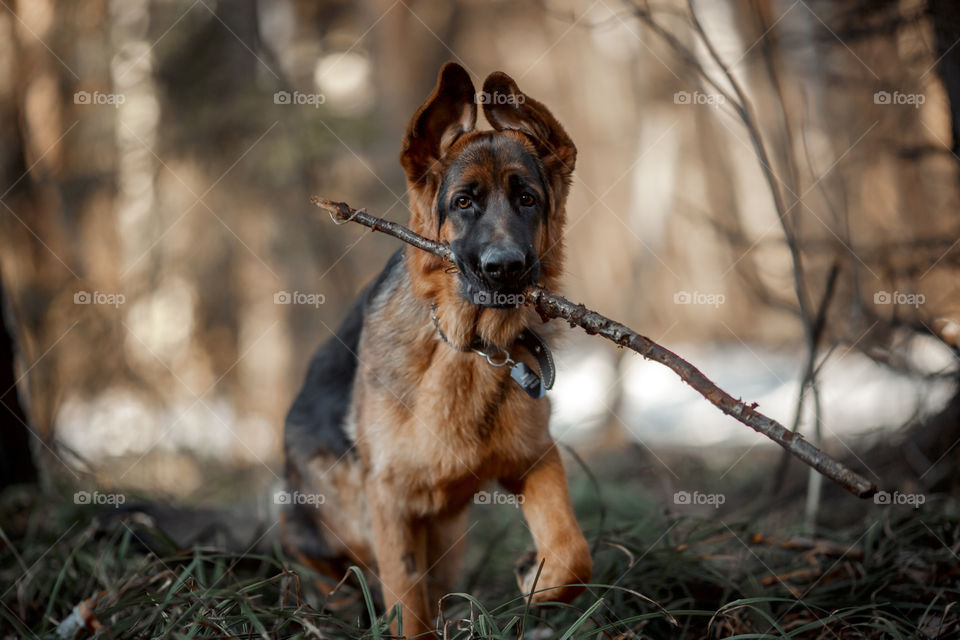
point(463, 186)
point(515, 168)
point(474, 174)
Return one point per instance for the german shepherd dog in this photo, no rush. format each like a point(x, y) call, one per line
point(405, 412)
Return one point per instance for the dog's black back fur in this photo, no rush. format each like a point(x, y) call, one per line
point(315, 422)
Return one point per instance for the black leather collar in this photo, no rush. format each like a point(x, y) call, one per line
point(535, 385)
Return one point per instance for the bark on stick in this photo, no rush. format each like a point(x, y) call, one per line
point(550, 305)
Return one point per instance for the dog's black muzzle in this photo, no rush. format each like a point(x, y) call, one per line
point(498, 276)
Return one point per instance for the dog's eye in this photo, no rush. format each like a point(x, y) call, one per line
point(464, 202)
point(527, 200)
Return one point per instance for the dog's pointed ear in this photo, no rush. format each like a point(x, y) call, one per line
point(449, 112)
point(506, 107)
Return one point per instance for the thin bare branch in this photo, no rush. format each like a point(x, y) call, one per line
point(550, 305)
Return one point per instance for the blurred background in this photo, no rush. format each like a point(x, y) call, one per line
point(769, 188)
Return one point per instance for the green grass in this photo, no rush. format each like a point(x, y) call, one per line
point(892, 575)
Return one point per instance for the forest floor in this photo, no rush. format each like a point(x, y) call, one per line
point(740, 566)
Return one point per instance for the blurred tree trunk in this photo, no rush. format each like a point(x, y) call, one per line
point(945, 15)
point(16, 461)
point(29, 280)
point(16, 457)
point(56, 167)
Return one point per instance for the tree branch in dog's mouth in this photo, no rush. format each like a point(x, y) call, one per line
point(550, 305)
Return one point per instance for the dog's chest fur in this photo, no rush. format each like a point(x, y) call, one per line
point(429, 418)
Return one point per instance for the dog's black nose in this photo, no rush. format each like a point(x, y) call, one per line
point(502, 264)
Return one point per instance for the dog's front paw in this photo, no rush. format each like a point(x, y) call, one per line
point(568, 569)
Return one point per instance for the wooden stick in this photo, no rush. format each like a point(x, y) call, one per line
point(550, 305)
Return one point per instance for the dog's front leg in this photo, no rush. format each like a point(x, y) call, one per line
point(400, 546)
point(556, 534)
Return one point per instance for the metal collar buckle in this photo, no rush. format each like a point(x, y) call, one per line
point(535, 385)
point(500, 352)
